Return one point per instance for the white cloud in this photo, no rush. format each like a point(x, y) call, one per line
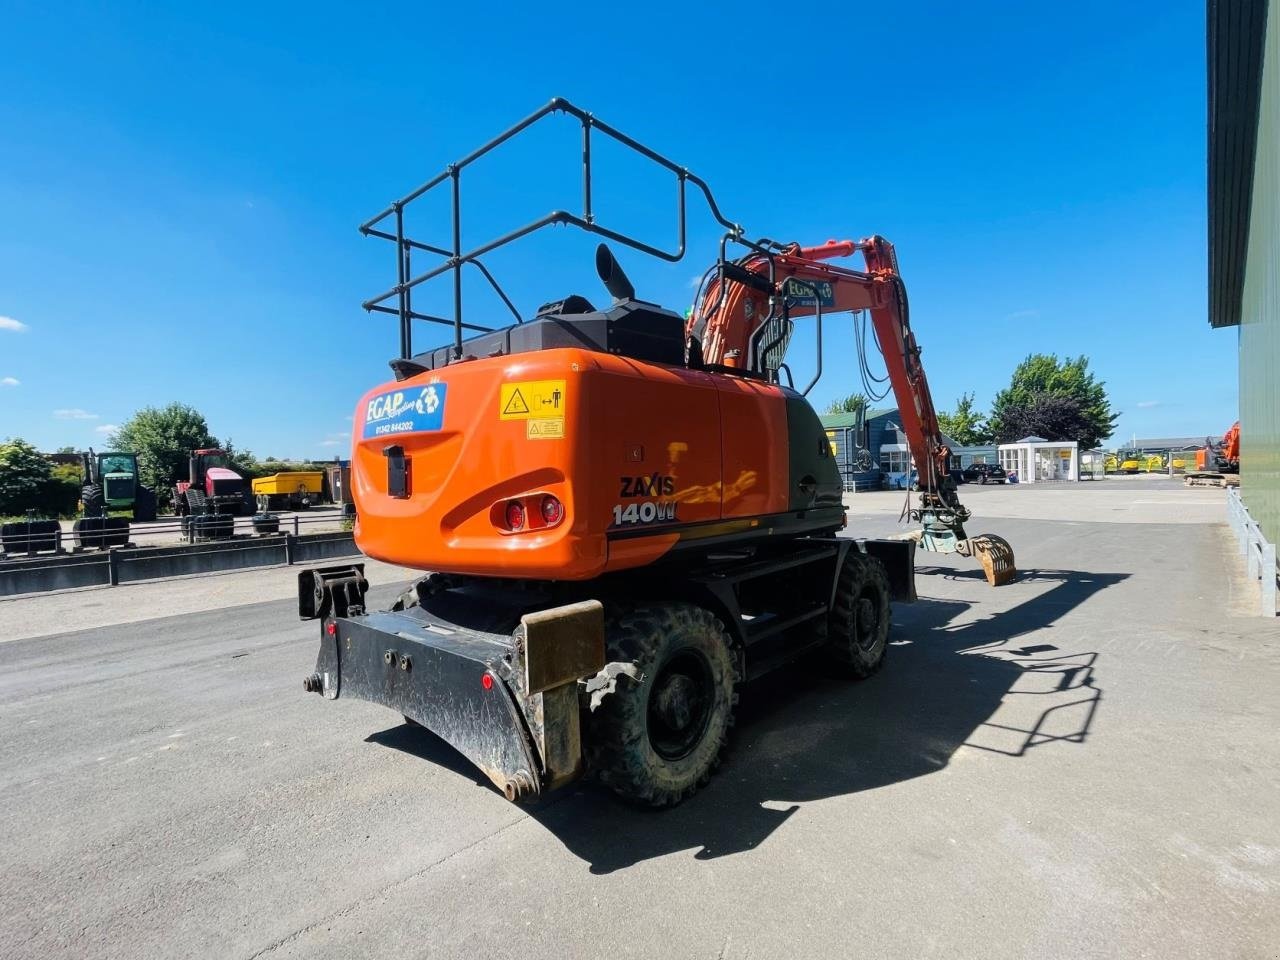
point(74, 413)
point(1144, 404)
point(12, 325)
point(347, 418)
point(1023, 315)
point(328, 443)
point(9, 381)
point(105, 428)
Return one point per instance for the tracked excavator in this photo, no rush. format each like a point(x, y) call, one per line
point(625, 513)
point(1217, 463)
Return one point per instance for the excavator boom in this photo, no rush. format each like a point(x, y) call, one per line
point(744, 321)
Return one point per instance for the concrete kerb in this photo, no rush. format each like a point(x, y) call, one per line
point(134, 564)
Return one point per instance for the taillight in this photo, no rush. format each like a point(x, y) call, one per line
point(552, 510)
point(515, 515)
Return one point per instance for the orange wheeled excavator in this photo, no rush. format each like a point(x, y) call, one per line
point(626, 513)
point(1217, 464)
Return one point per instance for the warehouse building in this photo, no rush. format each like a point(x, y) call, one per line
point(872, 453)
point(1244, 231)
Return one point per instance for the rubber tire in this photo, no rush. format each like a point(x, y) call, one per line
point(94, 504)
point(861, 577)
point(618, 749)
point(265, 523)
point(144, 505)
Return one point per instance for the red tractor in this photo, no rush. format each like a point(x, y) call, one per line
point(212, 487)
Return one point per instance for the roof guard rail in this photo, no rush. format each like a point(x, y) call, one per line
point(456, 258)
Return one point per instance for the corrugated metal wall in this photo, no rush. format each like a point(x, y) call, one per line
point(1260, 319)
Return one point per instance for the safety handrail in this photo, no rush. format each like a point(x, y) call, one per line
point(455, 258)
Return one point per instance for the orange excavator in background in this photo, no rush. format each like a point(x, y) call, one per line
point(1217, 464)
point(626, 513)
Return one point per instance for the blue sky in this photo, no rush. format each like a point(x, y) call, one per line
point(180, 188)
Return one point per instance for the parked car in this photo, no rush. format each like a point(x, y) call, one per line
point(984, 473)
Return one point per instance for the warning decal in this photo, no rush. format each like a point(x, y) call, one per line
point(516, 404)
point(543, 399)
point(544, 429)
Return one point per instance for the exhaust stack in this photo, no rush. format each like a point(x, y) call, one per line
point(611, 275)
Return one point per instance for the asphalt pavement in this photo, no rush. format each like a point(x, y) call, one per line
point(1082, 763)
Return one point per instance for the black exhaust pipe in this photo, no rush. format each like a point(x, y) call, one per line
point(611, 275)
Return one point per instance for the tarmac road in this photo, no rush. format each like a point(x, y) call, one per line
point(1080, 764)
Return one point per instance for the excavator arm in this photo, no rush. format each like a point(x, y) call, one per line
point(743, 319)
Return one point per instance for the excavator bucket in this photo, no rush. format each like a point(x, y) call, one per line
point(996, 557)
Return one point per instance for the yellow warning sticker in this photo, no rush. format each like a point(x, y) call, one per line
point(544, 429)
point(531, 399)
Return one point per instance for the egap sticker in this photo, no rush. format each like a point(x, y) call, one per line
point(417, 410)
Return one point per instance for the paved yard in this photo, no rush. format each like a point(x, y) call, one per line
point(1083, 763)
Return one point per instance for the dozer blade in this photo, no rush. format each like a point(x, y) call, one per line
point(996, 557)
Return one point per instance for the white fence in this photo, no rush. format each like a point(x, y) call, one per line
point(1259, 555)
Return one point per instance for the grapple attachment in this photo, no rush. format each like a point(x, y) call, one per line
point(995, 555)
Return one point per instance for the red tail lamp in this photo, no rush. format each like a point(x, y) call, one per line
point(515, 515)
point(486, 681)
point(552, 510)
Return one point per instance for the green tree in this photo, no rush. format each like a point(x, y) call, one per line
point(1047, 415)
point(1087, 414)
point(67, 450)
point(853, 403)
point(163, 438)
point(244, 462)
point(966, 426)
point(25, 477)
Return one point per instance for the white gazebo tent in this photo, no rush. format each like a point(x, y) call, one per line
point(1037, 460)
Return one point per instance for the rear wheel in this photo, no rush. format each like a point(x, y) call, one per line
point(858, 625)
point(144, 505)
point(657, 737)
point(94, 504)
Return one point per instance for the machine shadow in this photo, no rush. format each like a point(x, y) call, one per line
point(804, 735)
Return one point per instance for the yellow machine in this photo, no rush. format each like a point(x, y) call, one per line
point(292, 489)
point(1131, 461)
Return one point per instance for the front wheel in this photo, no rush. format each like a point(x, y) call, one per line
point(94, 504)
point(144, 505)
point(858, 625)
point(658, 735)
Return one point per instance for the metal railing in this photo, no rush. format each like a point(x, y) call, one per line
point(119, 565)
point(1259, 555)
point(388, 224)
point(180, 528)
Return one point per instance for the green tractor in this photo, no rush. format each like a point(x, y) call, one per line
point(111, 482)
